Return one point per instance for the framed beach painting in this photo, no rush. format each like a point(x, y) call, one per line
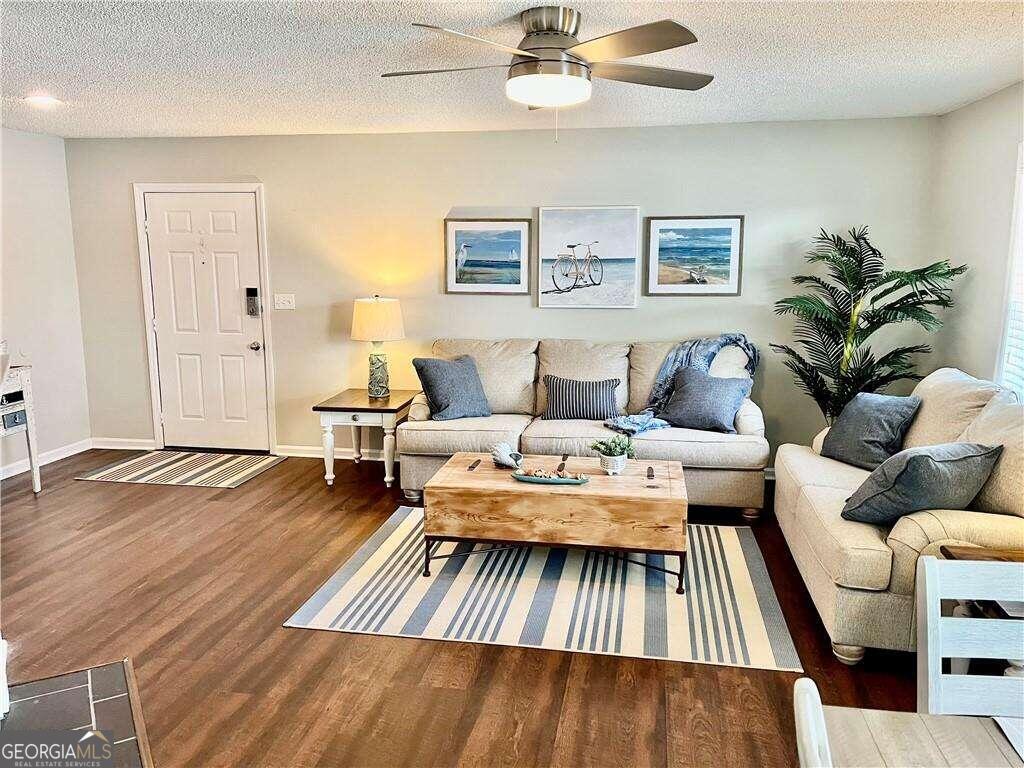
point(487, 255)
point(694, 255)
point(588, 257)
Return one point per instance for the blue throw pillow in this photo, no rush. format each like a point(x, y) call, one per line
point(452, 387)
point(702, 401)
point(574, 399)
point(870, 429)
point(946, 476)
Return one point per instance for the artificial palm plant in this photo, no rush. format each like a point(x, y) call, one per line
point(841, 313)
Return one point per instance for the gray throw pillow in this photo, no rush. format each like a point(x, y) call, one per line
point(452, 387)
point(946, 476)
point(870, 429)
point(575, 399)
point(702, 401)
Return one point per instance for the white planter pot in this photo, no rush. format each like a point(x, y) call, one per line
point(613, 465)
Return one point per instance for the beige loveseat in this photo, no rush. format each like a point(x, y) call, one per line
point(860, 576)
point(720, 469)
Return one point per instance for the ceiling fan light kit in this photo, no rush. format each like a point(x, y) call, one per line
point(551, 68)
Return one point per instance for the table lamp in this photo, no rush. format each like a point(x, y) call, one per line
point(377, 320)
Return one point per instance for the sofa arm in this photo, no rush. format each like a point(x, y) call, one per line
point(818, 440)
point(749, 419)
point(419, 410)
point(922, 533)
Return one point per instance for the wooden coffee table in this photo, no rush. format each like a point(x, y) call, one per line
point(642, 510)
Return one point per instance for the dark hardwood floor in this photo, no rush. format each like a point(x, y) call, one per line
point(194, 584)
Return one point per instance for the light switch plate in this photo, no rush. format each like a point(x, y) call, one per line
point(284, 301)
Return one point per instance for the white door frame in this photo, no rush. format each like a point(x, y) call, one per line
point(145, 270)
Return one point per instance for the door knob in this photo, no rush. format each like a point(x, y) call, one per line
point(255, 346)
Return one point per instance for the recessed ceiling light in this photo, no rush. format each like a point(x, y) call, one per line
point(42, 101)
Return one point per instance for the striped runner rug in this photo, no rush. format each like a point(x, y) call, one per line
point(562, 599)
point(208, 470)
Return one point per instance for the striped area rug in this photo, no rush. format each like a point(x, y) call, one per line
point(209, 470)
point(559, 599)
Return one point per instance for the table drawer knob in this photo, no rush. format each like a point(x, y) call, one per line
point(355, 417)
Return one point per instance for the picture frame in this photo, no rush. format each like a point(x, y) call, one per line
point(501, 261)
point(604, 276)
point(694, 255)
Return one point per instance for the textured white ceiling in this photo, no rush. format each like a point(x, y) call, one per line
point(217, 68)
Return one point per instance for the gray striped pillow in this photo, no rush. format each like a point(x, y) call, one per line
point(572, 399)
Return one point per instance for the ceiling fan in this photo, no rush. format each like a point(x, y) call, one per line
point(552, 68)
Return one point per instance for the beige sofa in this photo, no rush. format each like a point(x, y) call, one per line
point(724, 470)
point(860, 576)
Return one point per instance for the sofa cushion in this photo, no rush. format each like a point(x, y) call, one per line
point(452, 387)
point(870, 429)
point(645, 359)
point(579, 399)
point(804, 467)
point(507, 369)
point(702, 401)
point(691, 447)
point(699, 448)
point(443, 438)
point(950, 401)
point(575, 359)
point(946, 476)
point(854, 554)
point(1001, 422)
point(551, 437)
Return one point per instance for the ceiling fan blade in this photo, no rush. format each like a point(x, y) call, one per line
point(658, 76)
point(635, 41)
point(438, 71)
point(452, 33)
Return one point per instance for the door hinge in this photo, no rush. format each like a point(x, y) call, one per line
point(145, 225)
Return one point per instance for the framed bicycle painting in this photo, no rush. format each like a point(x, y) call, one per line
point(694, 255)
point(487, 255)
point(589, 257)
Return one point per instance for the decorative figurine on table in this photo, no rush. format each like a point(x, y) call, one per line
point(505, 456)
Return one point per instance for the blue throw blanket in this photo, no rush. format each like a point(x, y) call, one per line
point(695, 353)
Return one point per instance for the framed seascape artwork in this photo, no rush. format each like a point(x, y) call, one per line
point(588, 257)
point(694, 255)
point(487, 255)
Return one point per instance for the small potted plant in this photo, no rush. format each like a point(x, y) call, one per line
point(614, 451)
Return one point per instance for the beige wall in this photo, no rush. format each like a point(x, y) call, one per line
point(39, 316)
point(352, 215)
point(974, 207)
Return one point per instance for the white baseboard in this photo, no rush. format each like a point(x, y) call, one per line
point(124, 443)
point(46, 457)
point(317, 452)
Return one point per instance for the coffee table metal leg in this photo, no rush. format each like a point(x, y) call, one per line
point(426, 555)
point(682, 573)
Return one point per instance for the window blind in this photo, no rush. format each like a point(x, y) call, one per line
point(1010, 372)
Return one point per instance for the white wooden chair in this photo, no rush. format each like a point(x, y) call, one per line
point(811, 737)
point(940, 637)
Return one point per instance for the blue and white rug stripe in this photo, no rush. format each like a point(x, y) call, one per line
point(561, 599)
point(208, 470)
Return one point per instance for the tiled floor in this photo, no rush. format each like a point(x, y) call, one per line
point(98, 699)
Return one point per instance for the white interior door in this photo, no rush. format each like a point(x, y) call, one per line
point(204, 254)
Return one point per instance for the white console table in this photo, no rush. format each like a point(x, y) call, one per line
point(354, 408)
point(17, 414)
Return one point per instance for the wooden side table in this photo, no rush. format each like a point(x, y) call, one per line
point(17, 414)
point(356, 409)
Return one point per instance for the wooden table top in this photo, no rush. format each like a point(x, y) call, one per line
point(667, 482)
point(872, 737)
point(359, 400)
point(960, 552)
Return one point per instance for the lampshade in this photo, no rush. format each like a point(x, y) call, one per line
point(377, 319)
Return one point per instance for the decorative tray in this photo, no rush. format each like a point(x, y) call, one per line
point(550, 480)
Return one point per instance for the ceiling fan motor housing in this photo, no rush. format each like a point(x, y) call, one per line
point(549, 31)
